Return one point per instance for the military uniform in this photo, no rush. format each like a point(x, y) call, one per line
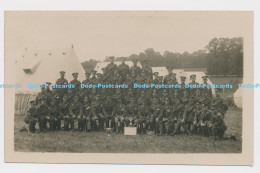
point(108, 109)
point(42, 111)
point(204, 120)
point(41, 95)
point(61, 92)
point(76, 83)
point(120, 116)
point(97, 113)
point(141, 97)
point(207, 91)
point(192, 91)
point(178, 110)
point(168, 76)
point(185, 98)
point(165, 118)
point(189, 116)
point(132, 111)
point(93, 79)
point(156, 80)
point(55, 116)
point(143, 118)
point(31, 117)
point(111, 67)
point(218, 125)
point(75, 111)
point(183, 84)
point(155, 111)
point(87, 81)
point(135, 69)
point(87, 114)
point(123, 70)
point(148, 70)
point(219, 105)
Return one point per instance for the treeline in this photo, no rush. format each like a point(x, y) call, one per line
point(222, 56)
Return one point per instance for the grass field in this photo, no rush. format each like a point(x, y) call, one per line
point(99, 142)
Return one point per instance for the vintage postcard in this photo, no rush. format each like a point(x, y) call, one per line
point(129, 87)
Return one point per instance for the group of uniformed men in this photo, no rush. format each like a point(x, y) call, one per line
point(169, 111)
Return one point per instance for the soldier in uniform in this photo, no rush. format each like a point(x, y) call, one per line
point(142, 97)
point(189, 116)
point(61, 92)
point(178, 110)
point(164, 96)
point(185, 98)
point(135, 69)
point(80, 113)
point(160, 83)
point(175, 95)
point(165, 118)
point(169, 75)
point(143, 117)
point(64, 107)
point(154, 96)
point(31, 116)
point(143, 78)
point(149, 91)
point(129, 80)
point(123, 70)
point(42, 111)
point(99, 78)
point(207, 91)
point(93, 79)
point(103, 94)
point(109, 110)
point(99, 81)
point(75, 111)
point(48, 93)
point(160, 80)
point(155, 111)
point(156, 80)
point(132, 111)
point(111, 67)
point(148, 70)
point(118, 95)
point(130, 93)
point(97, 113)
point(218, 103)
point(204, 116)
point(183, 83)
point(55, 116)
point(75, 82)
point(93, 94)
point(105, 76)
point(87, 114)
point(87, 81)
point(41, 94)
point(218, 125)
point(120, 116)
point(193, 82)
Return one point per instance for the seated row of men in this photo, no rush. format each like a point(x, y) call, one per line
point(165, 112)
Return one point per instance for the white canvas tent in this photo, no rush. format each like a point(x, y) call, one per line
point(38, 67)
point(101, 65)
point(238, 97)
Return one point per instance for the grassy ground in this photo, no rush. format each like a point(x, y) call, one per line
point(99, 142)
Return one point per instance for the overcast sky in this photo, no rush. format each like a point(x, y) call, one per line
point(100, 34)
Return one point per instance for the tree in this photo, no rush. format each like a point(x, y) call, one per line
point(225, 56)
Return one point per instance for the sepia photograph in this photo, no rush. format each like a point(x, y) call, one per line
point(141, 87)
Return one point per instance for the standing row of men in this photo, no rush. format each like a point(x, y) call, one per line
point(164, 111)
